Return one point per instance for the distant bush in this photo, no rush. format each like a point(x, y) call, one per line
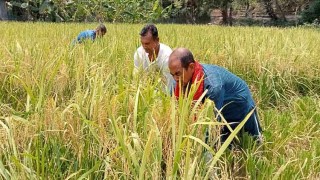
point(311, 14)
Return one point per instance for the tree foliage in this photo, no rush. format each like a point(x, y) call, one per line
point(178, 11)
point(88, 10)
point(191, 11)
point(312, 14)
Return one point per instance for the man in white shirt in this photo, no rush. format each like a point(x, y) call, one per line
point(153, 55)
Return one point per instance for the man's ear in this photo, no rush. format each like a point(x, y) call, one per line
point(191, 66)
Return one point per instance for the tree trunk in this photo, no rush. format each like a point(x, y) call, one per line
point(230, 15)
point(269, 9)
point(224, 13)
point(247, 9)
point(3, 10)
point(283, 16)
point(191, 5)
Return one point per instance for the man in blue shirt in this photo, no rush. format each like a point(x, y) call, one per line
point(230, 93)
point(100, 31)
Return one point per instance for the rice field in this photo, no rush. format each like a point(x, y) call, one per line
point(77, 112)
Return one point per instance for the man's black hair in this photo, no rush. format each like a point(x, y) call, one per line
point(186, 59)
point(149, 28)
point(102, 28)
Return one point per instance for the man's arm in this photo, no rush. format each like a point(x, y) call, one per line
point(93, 35)
point(80, 37)
point(169, 81)
point(216, 94)
point(137, 62)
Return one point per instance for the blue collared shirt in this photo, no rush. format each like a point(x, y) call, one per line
point(228, 91)
point(88, 34)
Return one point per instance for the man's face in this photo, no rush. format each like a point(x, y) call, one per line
point(148, 43)
point(179, 73)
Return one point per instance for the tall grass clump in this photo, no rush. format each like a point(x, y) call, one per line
point(77, 112)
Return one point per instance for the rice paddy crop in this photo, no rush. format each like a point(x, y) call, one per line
point(77, 112)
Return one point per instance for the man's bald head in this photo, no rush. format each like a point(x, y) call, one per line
point(184, 55)
point(181, 65)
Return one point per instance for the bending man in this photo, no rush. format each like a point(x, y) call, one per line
point(228, 91)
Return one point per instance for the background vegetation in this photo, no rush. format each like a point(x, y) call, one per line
point(76, 112)
point(280, 12)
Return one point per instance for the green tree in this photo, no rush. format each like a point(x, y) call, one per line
point(268, 4)
point(88, 10)
point(44, 10)
point(312, 14)
point(277, 9)
point(189, 11)
point(226, 5)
